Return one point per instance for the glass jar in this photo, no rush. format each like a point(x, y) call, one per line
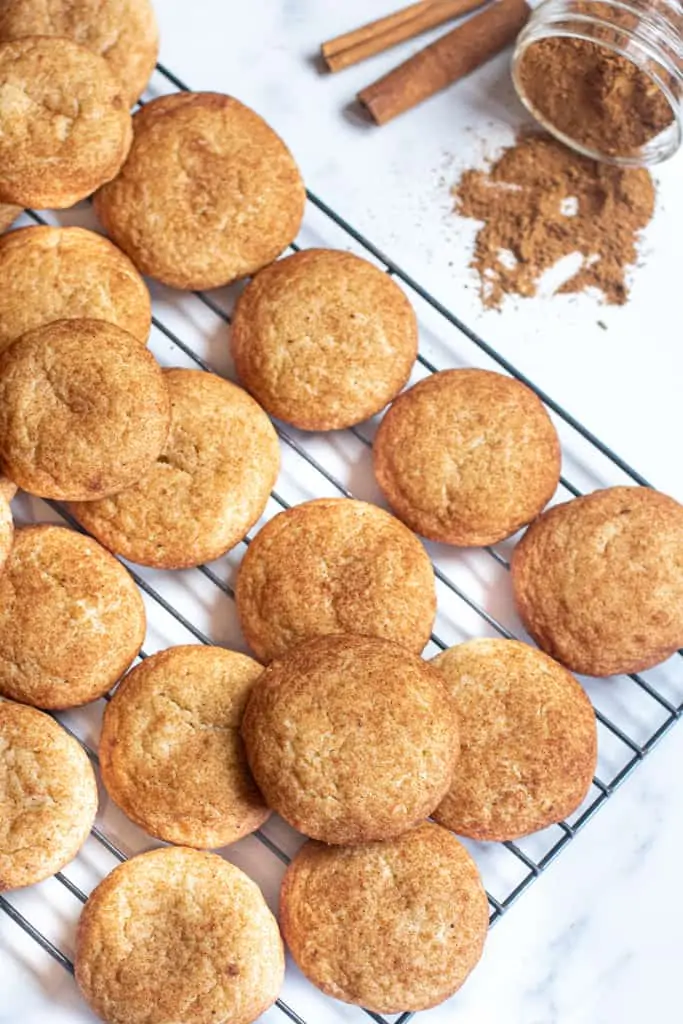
point(605, 76)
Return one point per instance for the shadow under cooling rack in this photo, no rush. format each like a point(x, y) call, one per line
point(626, 737)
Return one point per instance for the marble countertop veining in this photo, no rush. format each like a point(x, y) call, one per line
point(599, 938)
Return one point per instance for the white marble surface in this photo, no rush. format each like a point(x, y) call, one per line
point(599, 938)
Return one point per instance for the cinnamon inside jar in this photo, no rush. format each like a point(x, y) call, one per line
point(592, 95)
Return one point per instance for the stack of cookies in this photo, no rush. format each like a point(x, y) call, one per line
point(337, 724)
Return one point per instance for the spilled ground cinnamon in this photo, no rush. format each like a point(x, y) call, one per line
point(593, 95)
point(540, 202)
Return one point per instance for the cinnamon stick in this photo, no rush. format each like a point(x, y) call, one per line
point(380, 35)
point(450, 58)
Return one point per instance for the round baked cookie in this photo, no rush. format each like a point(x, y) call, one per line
point(334, 565)
point(81, 275)
point(124, 32)
point(389, 926)
point(8, 215)
point(178, 935)
point(467, 457)
point(205, 491)
point(528, 740)
point(71, 619)
point(84, 410)
point(65, 128)
point(598, 581)
point(48, 796)
point(170, 751)
point(209, 192)
point(323, 339)
point(351, 738)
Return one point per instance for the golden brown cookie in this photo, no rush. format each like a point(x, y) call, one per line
point(334, 565)
point(171, 754)
point(71, 619)
point(65, 128)
point(598, 581)
point(467, 457)
point(178, 935)
point(351, 738)
point(8, 215)
point(323, 339)
point(205, 491)
point(84, 410)
point(124, 32)
point(48, 796)
point(209, 192)
point(81, 274)
point(528, 740)
point(389, 926)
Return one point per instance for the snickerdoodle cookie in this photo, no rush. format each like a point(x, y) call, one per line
point(171, 754)
point(334, 565)
point(81, 274)
point(8, 215)
point(124, 32)
point(178, 935)
point(84, 410)
point(48, 796)
point(209, 192)
point(528, 740)
point(351, 738)
point(323, 339)
point(467, 457)
point(207, 488)
point(389, 926)
point(598, 581)
point(65, 128)
point(71, 619)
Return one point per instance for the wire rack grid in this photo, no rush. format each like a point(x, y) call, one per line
point(631, 718)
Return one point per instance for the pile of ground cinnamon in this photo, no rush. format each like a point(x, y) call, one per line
point(540, 202)
point(593, 95)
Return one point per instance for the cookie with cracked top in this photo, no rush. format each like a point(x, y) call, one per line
point(323, 339)
point(334, 565)
point(124, 32)
point(81, 274)
point(209, 193)
point(65, 128)
point(48, 796)
point(389, 926)
point(62, 593)
point(598, 581)
point(178, 935)
point(529, 740)
point(351, 738)
point(467, 457)
point(84, 410)
point(170, 750)
point(208, 487)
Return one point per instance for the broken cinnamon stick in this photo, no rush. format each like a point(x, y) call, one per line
point(381, 35)
point(445, 61)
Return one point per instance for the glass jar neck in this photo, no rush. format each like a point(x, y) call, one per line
point(648, 33)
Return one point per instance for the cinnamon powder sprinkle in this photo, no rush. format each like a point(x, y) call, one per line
point(540, 202)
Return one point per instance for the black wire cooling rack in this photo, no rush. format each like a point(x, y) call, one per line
point(629, 725)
